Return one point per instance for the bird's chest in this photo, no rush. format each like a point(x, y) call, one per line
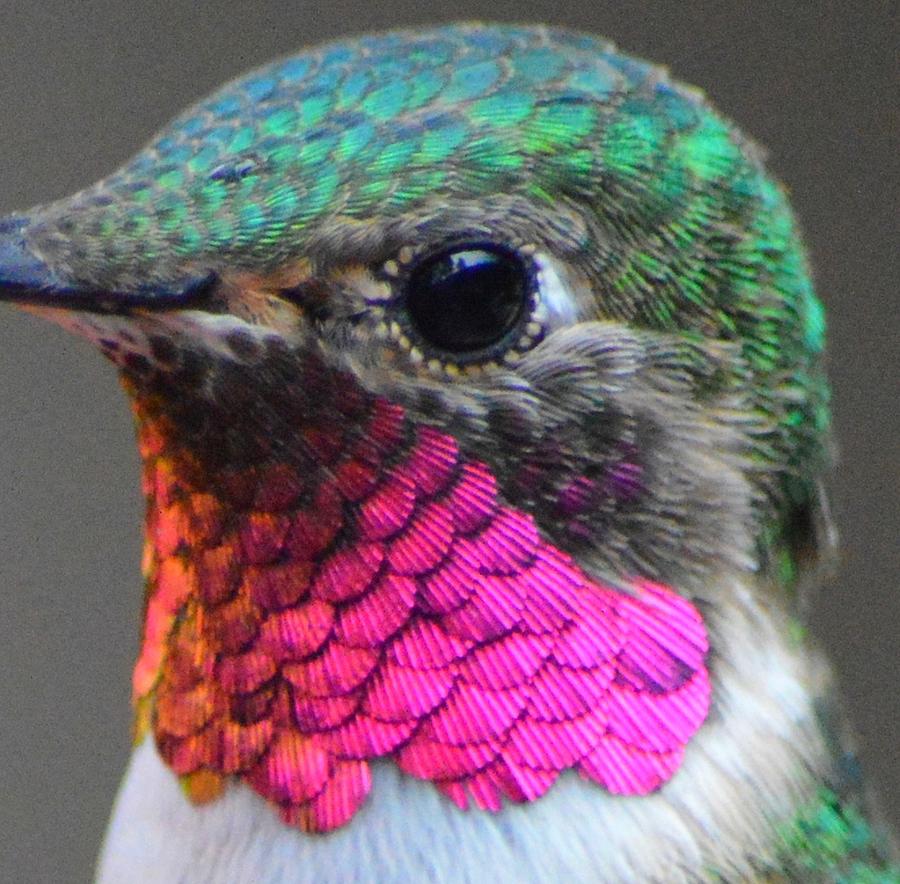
point(748, 768)
point(407, 832)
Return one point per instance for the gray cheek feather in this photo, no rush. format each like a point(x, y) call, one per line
point(593, 398)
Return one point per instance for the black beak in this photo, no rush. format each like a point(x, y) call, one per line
point(26, 279)
point(23, 276)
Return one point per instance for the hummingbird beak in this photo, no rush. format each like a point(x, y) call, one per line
point(26, 279)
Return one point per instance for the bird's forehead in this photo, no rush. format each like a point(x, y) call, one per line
point(356, 131)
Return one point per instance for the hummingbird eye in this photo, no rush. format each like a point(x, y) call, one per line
point(469, 300)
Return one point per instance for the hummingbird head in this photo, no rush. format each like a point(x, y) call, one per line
point(374, 299)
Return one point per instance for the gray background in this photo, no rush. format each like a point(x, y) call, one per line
point(83, 84)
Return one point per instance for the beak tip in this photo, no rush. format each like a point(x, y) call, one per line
point(21, 271)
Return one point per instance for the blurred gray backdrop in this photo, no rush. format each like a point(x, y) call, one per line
point(84, 84)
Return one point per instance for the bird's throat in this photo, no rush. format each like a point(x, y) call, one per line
point(358, 588)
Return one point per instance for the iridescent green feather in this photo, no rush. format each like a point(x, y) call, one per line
point(829, 841)
point(687, 232)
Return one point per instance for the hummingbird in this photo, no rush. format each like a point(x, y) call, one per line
point(478, 388)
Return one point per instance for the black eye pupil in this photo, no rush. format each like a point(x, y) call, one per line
point(467, 299)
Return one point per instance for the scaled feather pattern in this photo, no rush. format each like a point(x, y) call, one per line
point(398, 611)
point(477, 556)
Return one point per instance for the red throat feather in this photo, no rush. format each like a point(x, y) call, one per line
point(302, 623)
